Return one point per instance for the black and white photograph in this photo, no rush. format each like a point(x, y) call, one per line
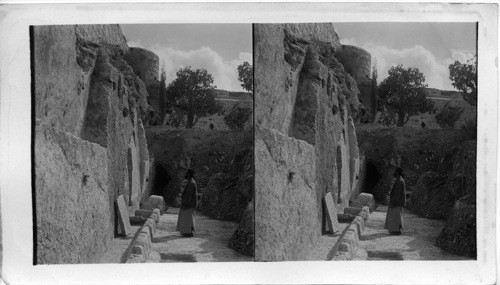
point(249, 143)
point(366, 149)
point(143, 143)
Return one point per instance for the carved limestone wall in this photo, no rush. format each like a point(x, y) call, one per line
point(90, 144)
point(305, 143)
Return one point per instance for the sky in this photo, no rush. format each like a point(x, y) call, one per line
point(430, 47)
point(219, 48)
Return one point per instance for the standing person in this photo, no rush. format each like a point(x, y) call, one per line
point(185, 221)
point(394, 218)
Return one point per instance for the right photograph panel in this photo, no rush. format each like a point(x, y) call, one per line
point(365, 141)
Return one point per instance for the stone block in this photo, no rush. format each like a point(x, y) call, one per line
point(136, 258)
point(154, 202)
point(124, 228)
point(137, 220)
point(355, 228)
point(360, 222)
point(143, 213)
point(151, 225)
point(345, 218)
point(365, 199)
point(142, 245)
point(342, 256)
point(365, 213)
point(349, 243)
point(352, 211)
point(332, 223)
point(156, 215)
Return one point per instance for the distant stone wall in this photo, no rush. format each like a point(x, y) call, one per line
point(305, 147)
point(90, 144)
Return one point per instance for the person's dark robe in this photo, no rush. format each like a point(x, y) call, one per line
point(185, 221)
point(394, 218)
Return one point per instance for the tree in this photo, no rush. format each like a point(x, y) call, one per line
point(191, 96)
point(402, 95)
point(448, 116)
point(245, 76)
point(464, 78)
point(374, 91)
point(162, 91)
point(237, 117)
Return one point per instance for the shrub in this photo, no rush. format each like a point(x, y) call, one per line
point(237, 117)
point(468, 131)
point(448, 116)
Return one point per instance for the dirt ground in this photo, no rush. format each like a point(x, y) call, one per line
point(210, 242)
point(120, 247)
point(325, 247)
point(417, 241)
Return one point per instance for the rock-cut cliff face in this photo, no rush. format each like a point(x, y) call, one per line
point(90, 144)
point(305, 143)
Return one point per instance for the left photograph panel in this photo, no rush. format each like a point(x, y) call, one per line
point(142, 143)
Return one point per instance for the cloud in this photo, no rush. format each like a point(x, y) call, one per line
point(461, 55)
point(135, 44)
point(435, 69)
point(224, 72)
point(349, 41)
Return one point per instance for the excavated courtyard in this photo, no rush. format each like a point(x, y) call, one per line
point(417, 241)
point(210, 242)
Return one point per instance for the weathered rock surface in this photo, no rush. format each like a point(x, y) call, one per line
point(102, 34)
point(243, 238)
point(85, 90)
point(321, 32)
point(73, 213)
point(435, 193)
point(357, 62)
point(146, 66)
point(459, 234)
point(305, 104)
point(287, 212)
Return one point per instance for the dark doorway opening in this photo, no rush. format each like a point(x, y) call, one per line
point(162, 178)
point(372, 177)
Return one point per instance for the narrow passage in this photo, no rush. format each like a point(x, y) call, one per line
point(417, 241)
point(210, 241)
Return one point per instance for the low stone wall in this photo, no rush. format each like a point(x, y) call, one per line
point(348, 243)
point(141, 243)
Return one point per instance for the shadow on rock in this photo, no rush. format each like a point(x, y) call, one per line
point(384, 255)
point(177, 257)
point(374, 236)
